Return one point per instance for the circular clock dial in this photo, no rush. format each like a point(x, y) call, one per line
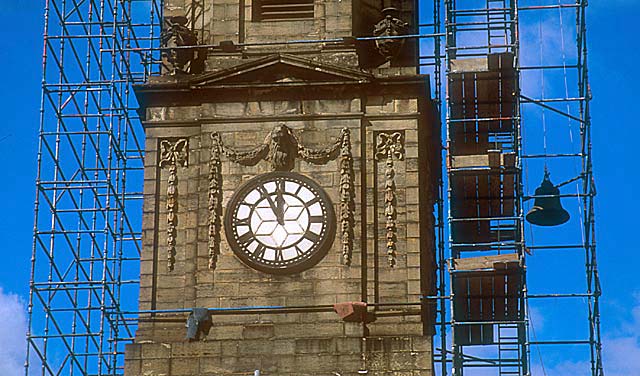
point(280, 222)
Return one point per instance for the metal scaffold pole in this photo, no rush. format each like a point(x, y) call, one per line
point(85, 255)
point(550, 134)
point(513, 104)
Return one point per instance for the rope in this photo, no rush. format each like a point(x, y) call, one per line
point(569, 122)
point(535, 338)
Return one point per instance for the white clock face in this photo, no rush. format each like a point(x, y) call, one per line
point(280, 222)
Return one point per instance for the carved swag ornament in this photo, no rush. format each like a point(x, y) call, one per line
point(172, 154)
point(280, 148)
point(388, 147)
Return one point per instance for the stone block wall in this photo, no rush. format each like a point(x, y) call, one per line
point(382, 356)
point(393, 140)
point(233, 20)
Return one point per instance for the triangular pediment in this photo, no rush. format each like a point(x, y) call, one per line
point(280, 69)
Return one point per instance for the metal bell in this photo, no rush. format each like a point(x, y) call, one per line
point(547, 210)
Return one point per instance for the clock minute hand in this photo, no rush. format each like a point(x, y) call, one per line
point(272, 204)
point(280, 202)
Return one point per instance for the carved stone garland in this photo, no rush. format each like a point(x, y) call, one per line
point(347, 204)
point(280, 148)
point(215, 200)
point(388, 147)
point(172, 154)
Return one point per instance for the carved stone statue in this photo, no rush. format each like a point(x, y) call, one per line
point(390, 26)
point(283, 148)
point(175, 37)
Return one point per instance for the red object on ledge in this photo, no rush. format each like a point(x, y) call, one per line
point(354, 312)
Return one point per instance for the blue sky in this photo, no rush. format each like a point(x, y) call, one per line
point(613, 53)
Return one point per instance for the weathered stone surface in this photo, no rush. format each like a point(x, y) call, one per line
point(312, 356)
point(309, 339)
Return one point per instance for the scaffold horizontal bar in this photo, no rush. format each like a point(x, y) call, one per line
point(554, 100)
point(480, 11)
point(494, 363)
point(557, 155)
point(487, 322)
point(541, 104)
point(65, 335)
point(490, 22)
point(562, 246)
point(560, 342)
point(43, 286)
point(477, 54)
point(496, 244)
point(544, 296)
point(481, 47)
point(81, 309)
point(109, 24)
point(467, 120)
point(525, 198)
point(78, 36)
point(549, 7)
point(541, 67)
point(472, 219)
point(69, 232)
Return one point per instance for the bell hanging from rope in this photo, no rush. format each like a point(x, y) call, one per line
point(547, 210)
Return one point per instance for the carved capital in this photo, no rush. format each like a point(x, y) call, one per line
point(389, 146)
point(174, 153)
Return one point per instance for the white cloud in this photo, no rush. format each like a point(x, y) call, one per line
point(622, 347)
point(536, 319)
point(13, 326)
point(562, 369)
point(622, 354)
point(620, 351)
point(611, 4)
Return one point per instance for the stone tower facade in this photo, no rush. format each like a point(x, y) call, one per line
point(289, 192)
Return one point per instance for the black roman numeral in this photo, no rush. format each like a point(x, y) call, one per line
point(312, 201)
point(245, 238)
point(262, 190)
point(242, 222)
point(259, 251)
point(312, 236)
point(316, 219)
point(251, 206)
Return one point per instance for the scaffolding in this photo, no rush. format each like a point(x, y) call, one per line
point(556, 129)
point(517, 107)
point(86, 246)
point(87, 241)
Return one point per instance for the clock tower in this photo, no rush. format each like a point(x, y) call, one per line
point(291, 173)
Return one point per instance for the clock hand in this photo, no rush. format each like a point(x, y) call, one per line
point(272, 204)
point(280, 202)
